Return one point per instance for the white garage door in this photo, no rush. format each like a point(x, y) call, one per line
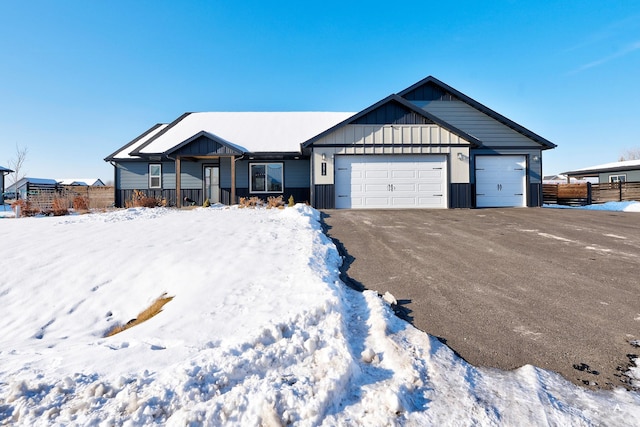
point(501, 181)
point(382, 181)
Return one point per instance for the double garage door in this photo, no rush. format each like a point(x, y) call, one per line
point(400, 181)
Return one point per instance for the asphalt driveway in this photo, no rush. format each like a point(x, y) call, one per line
point(558, 289)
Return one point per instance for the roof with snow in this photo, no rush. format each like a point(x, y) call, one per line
point(246, 132)
point(89, 182)
point(606, 167)
point(5, 170)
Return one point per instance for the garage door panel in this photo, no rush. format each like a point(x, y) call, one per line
point(430, 188)
point(374, 188)
point(391, 181)
point(430, 201)
point(376, 174)
point(403, 174)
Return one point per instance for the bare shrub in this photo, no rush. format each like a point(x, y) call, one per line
point(143, 316)
point(250, 202)
point(59, 206)
point(81, 203)
point(139, 199)
point(275, 202)
point(26, 209)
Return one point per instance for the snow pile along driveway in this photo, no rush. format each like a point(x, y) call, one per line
point(260, 331)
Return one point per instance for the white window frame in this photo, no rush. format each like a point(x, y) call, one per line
point(157, 176)
point(266, 190)
point(616, 178)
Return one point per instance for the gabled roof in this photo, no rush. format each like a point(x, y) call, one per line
point(246, 132)
point(430, 80)
point(5, 170)
point(404, 103)
point(607, 167)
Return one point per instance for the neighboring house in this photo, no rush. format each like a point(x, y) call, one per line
point(89, 182)
point(625, 171)
point(3, 171)
point(26, 186)
point(429, 146)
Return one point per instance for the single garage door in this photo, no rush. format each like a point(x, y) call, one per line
point(383, 181)
point(501, 181)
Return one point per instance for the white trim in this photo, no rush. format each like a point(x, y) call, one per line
point(266, 191)
point(155, 176)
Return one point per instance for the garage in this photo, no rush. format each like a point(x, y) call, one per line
point(390, 182)
point(500, 181)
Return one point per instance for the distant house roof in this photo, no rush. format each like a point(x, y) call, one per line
point(245, 132)
point(607, 167)
point(90, 182)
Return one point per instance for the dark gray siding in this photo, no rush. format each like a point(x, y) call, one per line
point(428, 92)
point(392, 113)
point(324, 196)
point(203, 146)
point(535, 195)
point(460, 195)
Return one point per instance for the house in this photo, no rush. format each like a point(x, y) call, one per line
point(88, 182)
point(624, 171)
point(3, 171)
point(428, 146)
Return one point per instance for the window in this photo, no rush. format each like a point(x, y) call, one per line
point(618, 178)
point(266, 177)
point(155, 176)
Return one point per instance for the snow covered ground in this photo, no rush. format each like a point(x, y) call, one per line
point(261, 331)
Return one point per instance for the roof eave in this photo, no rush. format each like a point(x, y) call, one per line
point(112, 157)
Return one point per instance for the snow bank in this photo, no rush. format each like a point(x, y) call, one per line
point(260, 332)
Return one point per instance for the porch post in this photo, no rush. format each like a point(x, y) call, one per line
point(233, 181)
point(178, 191)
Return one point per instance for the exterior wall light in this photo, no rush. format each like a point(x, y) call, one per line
point(535, 158)
point(460, 156)
point(324, 156)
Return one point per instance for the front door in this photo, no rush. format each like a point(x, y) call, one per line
point(212, 183)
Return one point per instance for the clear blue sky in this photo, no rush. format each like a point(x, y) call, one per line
point(79, 79)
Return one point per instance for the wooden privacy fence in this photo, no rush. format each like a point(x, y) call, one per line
point(41, 198)
point(587, 193)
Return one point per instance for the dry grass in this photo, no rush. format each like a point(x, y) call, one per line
point(143, 316)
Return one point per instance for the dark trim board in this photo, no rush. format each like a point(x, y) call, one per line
point(534, 198)
point(324, 196)
point(460, 196)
